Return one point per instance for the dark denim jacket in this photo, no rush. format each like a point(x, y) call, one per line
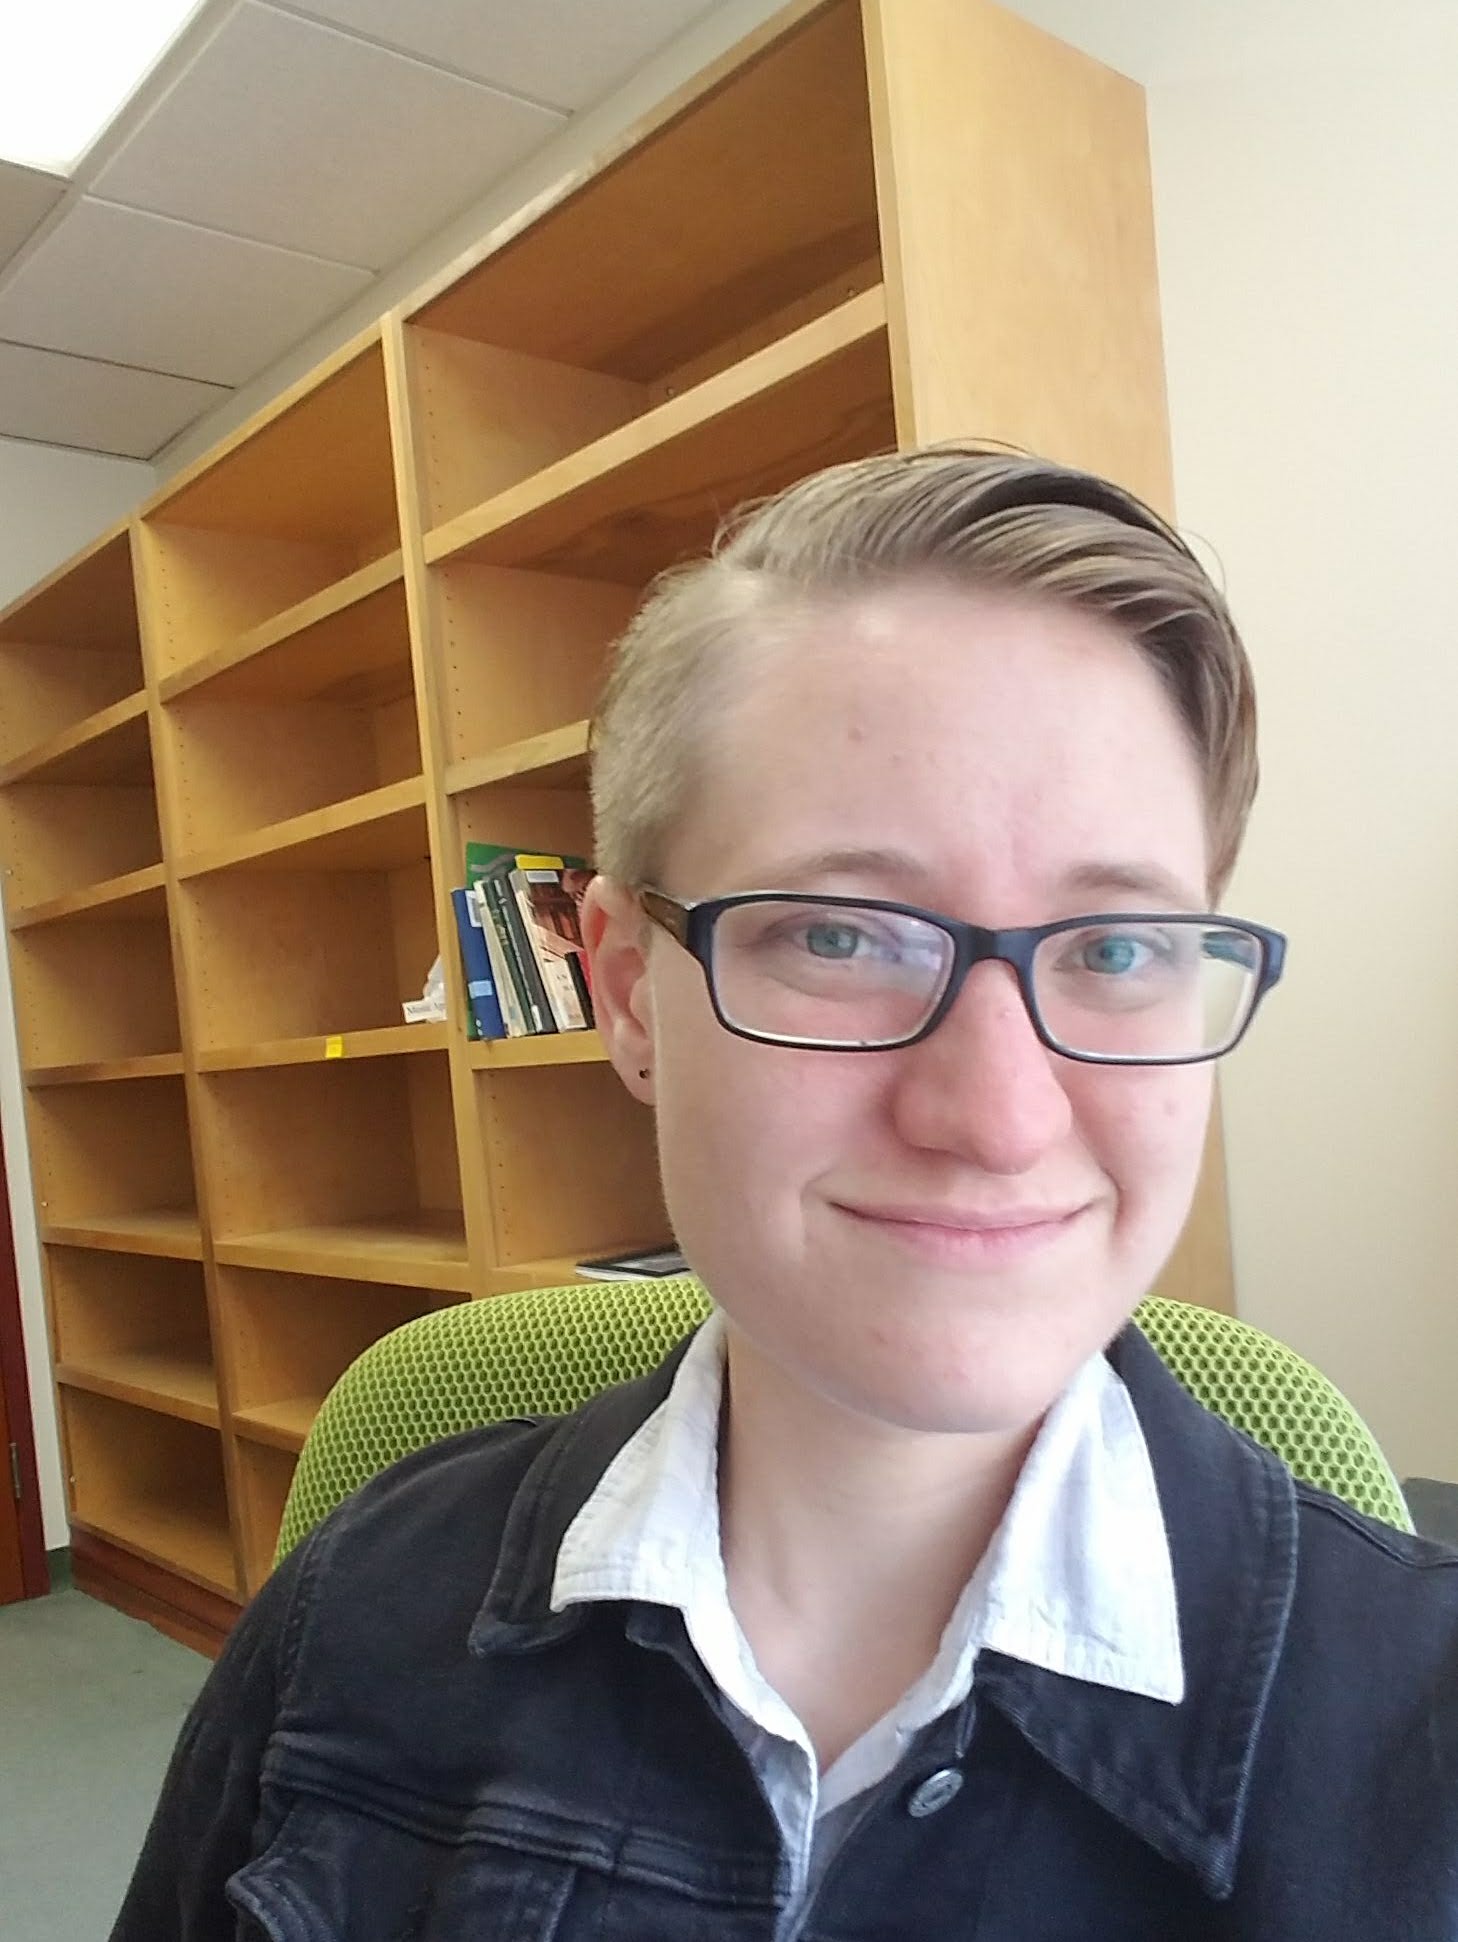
point(402, 1743)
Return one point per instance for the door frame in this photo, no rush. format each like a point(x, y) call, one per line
point(14, 1385)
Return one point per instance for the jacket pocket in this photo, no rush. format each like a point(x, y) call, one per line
point(333, 1875)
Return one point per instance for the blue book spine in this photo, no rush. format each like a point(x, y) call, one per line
point(480, 986)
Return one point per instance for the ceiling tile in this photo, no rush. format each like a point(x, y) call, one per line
point(297, 134)
point(565, 53)
point(138, 289)
point(98, 407)
point(26, 195)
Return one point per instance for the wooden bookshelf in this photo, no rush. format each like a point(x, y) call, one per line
point(383, 1042)
point(342, 642)
point(113, 745)
point(159, 1065)
point(653, 490)
point(137, 894)
point(290, 1336)
point(374, 831)
point(161, 1379)
point(427, 1250)
point(245, 737)
point(277, 528)
point(96, 993)
point(168, 1233)
point(151, 1483)
point(555, 759)
point(134, 1328)
point(76, 844)
point(549, 1048)
point(263, 1473)
point(70, 654)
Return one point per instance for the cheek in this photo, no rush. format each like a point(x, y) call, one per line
point(749, 1108)
point(1147, 1131)
point(742, 1128)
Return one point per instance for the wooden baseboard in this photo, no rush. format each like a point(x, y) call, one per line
point(184, 1611)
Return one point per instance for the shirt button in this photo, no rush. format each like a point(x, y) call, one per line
point(934, 1792)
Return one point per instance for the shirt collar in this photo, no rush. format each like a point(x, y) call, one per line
point(1077, 1579)
point(1175, 1776)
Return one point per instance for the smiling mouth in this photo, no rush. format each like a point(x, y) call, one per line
point(966, 1240)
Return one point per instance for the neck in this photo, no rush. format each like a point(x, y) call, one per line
point(847, 1542)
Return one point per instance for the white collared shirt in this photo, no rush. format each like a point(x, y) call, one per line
point(1077, 1578)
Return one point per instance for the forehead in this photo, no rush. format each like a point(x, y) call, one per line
point(997, 741)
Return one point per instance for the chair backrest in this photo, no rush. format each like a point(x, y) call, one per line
point(548, 1350)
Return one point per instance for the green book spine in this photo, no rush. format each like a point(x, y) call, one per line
point(519, 952)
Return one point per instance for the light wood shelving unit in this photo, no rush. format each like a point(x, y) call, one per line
point(245, 737)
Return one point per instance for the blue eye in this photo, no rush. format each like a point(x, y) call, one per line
point(1112, 955)
point(832, 940)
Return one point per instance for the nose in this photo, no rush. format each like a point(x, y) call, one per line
point(983, 1086)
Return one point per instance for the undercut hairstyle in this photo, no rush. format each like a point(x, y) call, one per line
point(964, 515)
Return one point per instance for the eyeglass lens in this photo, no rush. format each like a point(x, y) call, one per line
point(858, 976)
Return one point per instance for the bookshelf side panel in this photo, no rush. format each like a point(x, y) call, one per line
point(1018, 238)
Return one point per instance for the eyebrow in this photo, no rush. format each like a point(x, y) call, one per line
point(1147, 880)
point(1137, 879)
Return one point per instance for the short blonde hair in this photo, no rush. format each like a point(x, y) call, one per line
point(968, 514)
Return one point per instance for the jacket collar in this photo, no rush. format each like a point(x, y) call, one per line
point(1178, 1777)
point(1175, 1776)
point(517, 1613)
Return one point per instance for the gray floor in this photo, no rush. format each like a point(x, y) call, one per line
point(90, 1704)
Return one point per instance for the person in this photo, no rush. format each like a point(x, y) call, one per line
point(912, 1596)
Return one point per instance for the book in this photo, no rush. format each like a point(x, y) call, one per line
point(575, 879)
point(549, 914)
point(577, 965)
point(636, 1266)
point(484, 862)
point(491, 865)
point(473, 1030)
point(505, 915)
point(507, 995)
point(484, 1010)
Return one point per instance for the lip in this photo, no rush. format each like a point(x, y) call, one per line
point(951, 1217)
point(962, 1239)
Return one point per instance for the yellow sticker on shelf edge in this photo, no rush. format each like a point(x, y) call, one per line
point(334, 1048)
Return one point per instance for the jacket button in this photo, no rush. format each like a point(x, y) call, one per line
point(934, 1792)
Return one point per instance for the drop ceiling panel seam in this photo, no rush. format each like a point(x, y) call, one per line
point(64, 400)
point(230, 235)
point(68, 445)
point(234, 205)
point(404, 53)
point(291, 133)
point(50, 221)
point(179, 299)
point(110, 363)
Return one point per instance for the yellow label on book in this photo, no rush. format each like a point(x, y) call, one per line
point(334, 1048)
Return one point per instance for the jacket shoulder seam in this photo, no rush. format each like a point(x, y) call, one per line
point(317, 1546)
point(1396, 1545)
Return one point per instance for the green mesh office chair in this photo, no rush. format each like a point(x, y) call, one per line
point(546, 1351)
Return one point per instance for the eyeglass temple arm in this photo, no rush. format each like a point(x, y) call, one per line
point(667, 912)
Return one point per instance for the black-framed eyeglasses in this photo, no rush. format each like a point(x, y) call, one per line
point(862, 974)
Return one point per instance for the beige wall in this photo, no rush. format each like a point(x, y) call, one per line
point(53, 502)
point(1310, 287)
point(1305, 161)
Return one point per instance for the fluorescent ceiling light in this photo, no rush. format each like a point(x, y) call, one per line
point(67, 66)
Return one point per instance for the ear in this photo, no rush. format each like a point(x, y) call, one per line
point(614, 935)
